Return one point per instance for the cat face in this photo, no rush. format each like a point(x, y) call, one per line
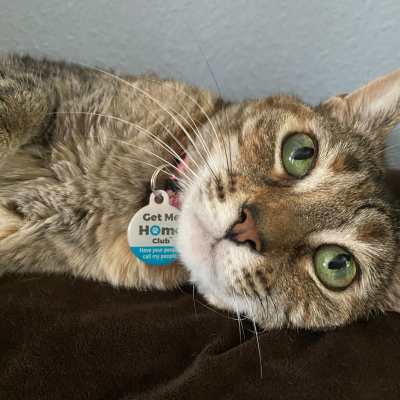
point(288, 220)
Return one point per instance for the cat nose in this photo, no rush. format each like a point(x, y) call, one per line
point(244, 231)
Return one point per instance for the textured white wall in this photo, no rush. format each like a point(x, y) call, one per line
point(311, 48)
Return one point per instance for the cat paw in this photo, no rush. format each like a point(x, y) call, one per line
point(10, 222)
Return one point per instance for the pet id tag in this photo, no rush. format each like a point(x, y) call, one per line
point(153, 229)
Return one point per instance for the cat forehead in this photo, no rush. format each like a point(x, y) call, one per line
point(272, 112)
point(282, 114)
point(267, 123)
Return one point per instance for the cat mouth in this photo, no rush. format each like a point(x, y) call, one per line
point(174, 193)
point(172, 186)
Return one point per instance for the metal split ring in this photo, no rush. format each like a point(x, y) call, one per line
point(153, 180)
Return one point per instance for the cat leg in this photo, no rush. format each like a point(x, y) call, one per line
point(9, 223)
point(26, 105)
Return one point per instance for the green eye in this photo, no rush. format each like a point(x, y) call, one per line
point(335, 266)
point(298, 154)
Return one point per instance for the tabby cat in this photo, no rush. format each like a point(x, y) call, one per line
point(285, 216)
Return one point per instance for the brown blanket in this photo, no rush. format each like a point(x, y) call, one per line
point(62, 338)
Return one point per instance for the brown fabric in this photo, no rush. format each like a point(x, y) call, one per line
point(62, 338)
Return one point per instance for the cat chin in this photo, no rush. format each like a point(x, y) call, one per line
point(196, 247)
point(198, 251)
point(194, 242)
point(238, 307)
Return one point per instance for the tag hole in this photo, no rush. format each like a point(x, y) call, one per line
point(158, 198)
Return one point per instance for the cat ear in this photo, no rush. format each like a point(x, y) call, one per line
point(374, 108)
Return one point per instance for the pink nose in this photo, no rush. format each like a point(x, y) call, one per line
point(244, 231)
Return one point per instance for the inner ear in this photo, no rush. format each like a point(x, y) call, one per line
point(373, 108)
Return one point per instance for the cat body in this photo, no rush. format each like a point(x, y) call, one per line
point(69, 181)
point(79, 147)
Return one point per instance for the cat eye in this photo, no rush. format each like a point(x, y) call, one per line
point(298, 154)
point(334, 266)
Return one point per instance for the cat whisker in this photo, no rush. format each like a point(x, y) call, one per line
point(212, 74)
point(208, 307)
point(193, 125)
point(259, 348)
point(146, 180)
point(275, 310)
point(196, 132)
point(195, 102)
point(185, 150)
point(214, 131)
point(228, 162)
point(255, 331)
point(240, 324)
point(157, 102)
point(157, 156)
point(141, 129)
point(229, 132)
point(262, 305)
point(181, 182)
point(201, 139)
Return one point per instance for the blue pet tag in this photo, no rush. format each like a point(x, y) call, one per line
point(152, 231)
